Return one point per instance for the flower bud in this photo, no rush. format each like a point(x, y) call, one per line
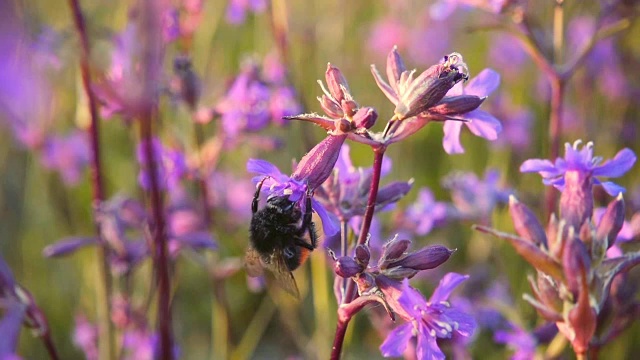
point(67, 246)
point(457, 104)
point(330, 107)
point(611, 222)
point(349, 107)
point(576, 263)
point(316, 166)
point(336, 83)
point(363, 255)
point(365, 117)
point(576, 201)
point(394, 249)
point(547, 292)
point(343, 126)
point(526, 223)
point(347, 267)
point(428, 257)
point(395, 68)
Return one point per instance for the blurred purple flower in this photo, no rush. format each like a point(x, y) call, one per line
point(187, 229)
point(582, 161)
point(506, 54)
point(517, 123)
point(518, 339)
point(245, 107)
point(427, 320)
point(231, 194)
point(480, 123)
point(444, 8)
point(237, 9)
point(170, 165)
point(473, 198)
point(69, 155)
point(603, 63)
point(424, 214)
point(428, 39)
point(85, 337)
point(25, 96)
point(387, 33)
point(345, 192)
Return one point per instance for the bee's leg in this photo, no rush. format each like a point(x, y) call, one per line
point(256, 196)
point(307, 223)
point(302, 243)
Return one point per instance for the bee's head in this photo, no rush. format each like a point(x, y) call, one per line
point(283, 204)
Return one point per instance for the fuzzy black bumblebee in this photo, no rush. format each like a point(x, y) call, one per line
point(277, 238)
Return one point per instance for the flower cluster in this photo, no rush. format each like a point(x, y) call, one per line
point(575, 280)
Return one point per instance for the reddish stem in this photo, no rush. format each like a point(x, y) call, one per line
point(104, 279)
point(350, 293)
point(51, 349)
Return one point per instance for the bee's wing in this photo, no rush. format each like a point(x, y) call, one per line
point(283, 276)
point(253, 263)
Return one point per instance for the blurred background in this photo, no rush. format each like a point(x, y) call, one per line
point(45, 189)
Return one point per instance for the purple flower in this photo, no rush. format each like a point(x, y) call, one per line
point(69, 155)
point(475, 198)
point(237, 9)
point(427, 320)
point(314, 168)
point(582, 161)
point(245, 107)
point(170, 165)
point(444, 8)
point(230, 194)
point(387, 33)
point(345, 192)
point(85, 337)
point(425, 213)
point(517, 124)
point(506, 54)
point(523, 342)
point(480, 123)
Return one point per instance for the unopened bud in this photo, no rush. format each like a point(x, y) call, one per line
point(347, 267)
point(365, 117)
point(366, 282)
point(316, 166)
point(547, 291)
point(395, 68)
point(428, 257)
point(399, 272)
point(611, 222)
point(394, 249)
point(330, 107)
point(576, 263)
point(349, 107)
point(336, 83)
point(526, 223)
point(582, 319)
point(457, 104)
point(363, 255)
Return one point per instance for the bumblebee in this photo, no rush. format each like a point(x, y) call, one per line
point(277, 238)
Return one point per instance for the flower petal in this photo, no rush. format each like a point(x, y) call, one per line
point(263, 167)
point(540, 165)
point(427, 346)
point(611, 188)
point(386, 88)
point(447, 284)
point(483, 84)
point(483, 124)
point(451, 139)
point(330, 224)
point(620, 164)
point(396, 342)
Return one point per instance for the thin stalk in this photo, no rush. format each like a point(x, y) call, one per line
point(558, 31)
point(343, 323)
point(344, 248)
point(103, 278)
point(160, 256)
point(51, 349)
point(202, 182)
point(147, 107)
